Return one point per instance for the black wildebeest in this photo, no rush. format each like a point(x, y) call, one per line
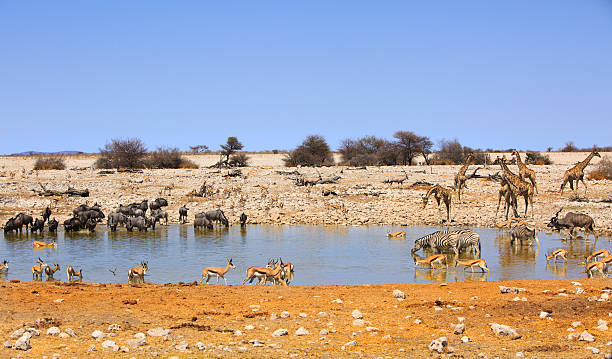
point(53, 225)
point(46, 214)
point(243, 219)
point(200, 222)
point(158, 215)
point(144, 205)
point(39, 225)
point(217, 215)
point(183, 214)
point(571, 221)
point(115, 219)
point(138, 222)
point(158, 203)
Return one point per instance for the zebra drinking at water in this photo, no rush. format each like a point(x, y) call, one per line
point(438, 241)
point(468, 240)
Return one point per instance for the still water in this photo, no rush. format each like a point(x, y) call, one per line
point(320, 254)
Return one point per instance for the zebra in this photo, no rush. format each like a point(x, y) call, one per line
point(523, 234)
point(468, 240)
point(438, 241)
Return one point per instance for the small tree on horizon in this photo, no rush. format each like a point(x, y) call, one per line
point(410, 145)
point(230, 147)
point(122, 153)
point(314, 151)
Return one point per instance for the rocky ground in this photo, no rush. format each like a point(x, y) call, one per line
point(268, 194)
point(513, 319)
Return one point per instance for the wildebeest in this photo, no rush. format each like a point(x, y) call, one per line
point(243, 219)
point(138, 222)
point(46, 214)
point(183, 214)
point(158, 215)
point(91, 224)
point(200, 222)
point(571, 221)
point(84, 207)
point(144, 205)
point(158, 203)
point(217, 215)
point(39, 225)
point(10, 225)
point(115, 219)
point(72, 224)
point(25, 220)
point(53, 225)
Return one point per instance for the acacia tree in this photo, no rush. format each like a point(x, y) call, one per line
point(313, 151)
point(410, 145)
point(230, 147)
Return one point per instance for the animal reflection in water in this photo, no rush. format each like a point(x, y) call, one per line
point(435, 268)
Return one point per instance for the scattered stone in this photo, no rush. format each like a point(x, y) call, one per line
point(273, 316)
point(504, 330)
point(64, 335)
point(438, 345)
point(358, 322)
point(182, 346)
point(97, 334)
point(576, 283)
point(109, 344)
point(576, 324)
point(357, 314)
point(158, 332)
point(459, 329)
point(579, 290)
point(602, 325)
point(53, 331)
point(372, 329)
point(513, 290)
point(237, 333)
point(301, 331)
point(322, 314)
point(280, 332)
point(572, 336)
point(460, 319)
point(17, 333)
point(338, 301)
point(8, 344)
point(249, 327)
point(608, 356)
point(585, 336)
point(200, 346)
point(285, 315)
point(257, 342)
point(323, 332)
point(23, 343)
point(58, 300)
point(593, 350)
point(352, 343)
point(70, 332)
point(399, 294)
point(544, 315)
point(124, 349)
point(466, 339)
point(520, 355)
point(113, 328)
point(224, 330)
point(604, 297)
point(418, 321)
point(302, 315)
point(92, 348)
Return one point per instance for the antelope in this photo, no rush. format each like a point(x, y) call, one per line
point(219, 272)
point(37, 269)
point(50, 271)
point(558, 253)
point(474, 263)
point(436, 258)
point(139, 271)
point(607, 260)
point(591, 267)
point(71, 273)
point(38, 244)
point(4, 266)
point(600, 253)
point(263, 273)
point(288, 266)
point(397, 234)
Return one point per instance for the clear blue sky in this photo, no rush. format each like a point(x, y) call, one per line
point(525, 74)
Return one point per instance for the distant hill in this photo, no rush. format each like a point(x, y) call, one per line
point(36, 153)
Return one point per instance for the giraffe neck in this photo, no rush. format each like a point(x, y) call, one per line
point(519, 162)
point(510, 175)
point(586, 161)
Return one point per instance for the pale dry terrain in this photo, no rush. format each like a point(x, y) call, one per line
point(268, 196)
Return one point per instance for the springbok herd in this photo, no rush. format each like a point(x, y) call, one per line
point(278, 272)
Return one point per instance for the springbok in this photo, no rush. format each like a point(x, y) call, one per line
point(71, 273)
point(396, 234)
point(263, 273)
point(436, 258)
point(558, 253)
point(50, 271)
point(481, 263)
point(288, 266)
point(600, 253)
point(607, 260)
point(138, 272)
point(591, 267)
point(39, 244)
point(4, 266)
point(217, 271)
point(37, 269)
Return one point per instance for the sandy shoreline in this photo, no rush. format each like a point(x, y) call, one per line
point(269, 197)
point(389, 327)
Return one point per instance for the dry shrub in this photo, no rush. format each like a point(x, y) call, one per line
point(49, 163)
point(536, 158)
point(122, 153)
point(189, 164)
point(443, 162)
point(603, 170)
point(239, 160)
point(168, 158)
point(314, 151)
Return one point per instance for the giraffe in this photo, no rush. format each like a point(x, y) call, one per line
point(505, 191)
point(460, 178)
point(524, 171)
point(576, 173)
point(440, 193)
point(517, 185)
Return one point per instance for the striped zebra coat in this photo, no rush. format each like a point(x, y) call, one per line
point(524, 235)
point(468, 240)
point(439, 242)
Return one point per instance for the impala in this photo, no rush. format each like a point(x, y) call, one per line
point(436, 258)
point(50, 271)
point(38, 244)
point(591, 267)
point(600, 253)
point(217, 271)
point(138, 272)
point(37, 269)
point(71, 273)
point(481, 263)
point(558, 253)
point(397, 234)
point(4, 266)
